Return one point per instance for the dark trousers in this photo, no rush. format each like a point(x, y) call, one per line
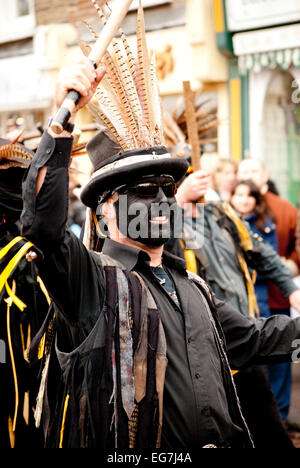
point(280, 378)
point(260, 409)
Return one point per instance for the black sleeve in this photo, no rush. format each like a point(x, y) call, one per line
point(45, 215)
point(259, 341)
point(72, 275)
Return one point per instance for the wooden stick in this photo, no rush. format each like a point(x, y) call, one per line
point(192, 128)
point(97, 52)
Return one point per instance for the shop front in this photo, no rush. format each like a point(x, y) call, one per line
point(266, 52)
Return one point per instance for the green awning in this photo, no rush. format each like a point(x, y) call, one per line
point(268, 48)
point(285, 58)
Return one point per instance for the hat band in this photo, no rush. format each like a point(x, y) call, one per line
point(130, 161)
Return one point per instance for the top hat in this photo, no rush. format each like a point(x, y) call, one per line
point(114, 167)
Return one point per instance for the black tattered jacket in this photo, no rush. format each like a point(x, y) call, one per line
point(199, 405)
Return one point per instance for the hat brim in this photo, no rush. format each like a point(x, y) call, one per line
point(176, 167)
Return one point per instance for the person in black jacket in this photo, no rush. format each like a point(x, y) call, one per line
point(225, 251)
point(144, 346)
point(22, 306)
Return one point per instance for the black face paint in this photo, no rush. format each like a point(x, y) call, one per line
point(146, 212)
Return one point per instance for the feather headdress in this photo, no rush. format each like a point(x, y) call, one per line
point(12, 154)
point(127, 102)
point(128, 108)
point(206, 118)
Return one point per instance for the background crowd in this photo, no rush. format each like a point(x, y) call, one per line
point(247, 187)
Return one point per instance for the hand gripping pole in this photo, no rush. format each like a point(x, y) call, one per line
point(98, 50)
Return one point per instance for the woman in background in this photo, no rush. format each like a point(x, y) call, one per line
point(225, 178)
point(251, 205)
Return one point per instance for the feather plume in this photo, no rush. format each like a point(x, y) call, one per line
point(106, 11)
point(115, 116)
point(156, 103)
point(108, 127)
point(172, 132)
point(18, 137)
point(122, 73)
point(206, 117)
point(84, 47)
point(119, 77)
point(14, 155)
point(175, 125)
point(127, 102)
point(143, 69)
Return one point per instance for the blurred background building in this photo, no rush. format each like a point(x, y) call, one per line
point(241, 58)
point(261, 39)
point(39, 37)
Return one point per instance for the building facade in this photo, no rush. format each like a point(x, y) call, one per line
point(262, 43)
point(38, 37)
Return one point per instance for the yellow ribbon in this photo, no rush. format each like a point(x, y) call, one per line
point(12, 299)
point(97, 226)
point(44, 290)
point(247, 244)
point(12, 264)
point(9, 304)
point(62, 430)
point(41, 349)
point(6, 249)
point(20, 304)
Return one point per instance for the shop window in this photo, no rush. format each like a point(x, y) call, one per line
point(17, 19)
point(23, 8)
point(282, 135)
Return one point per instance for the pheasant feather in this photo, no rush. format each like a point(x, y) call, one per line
point(113, 75)
point(115, 116)
point(13, 155)
point(129, 55)
point(110, 130)
point(127, 101)
point(126, 68)
point(115, 80)
point(143, 69)
point(156, 103)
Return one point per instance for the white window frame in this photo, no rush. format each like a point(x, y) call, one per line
point(148, 3)
point(12, 27)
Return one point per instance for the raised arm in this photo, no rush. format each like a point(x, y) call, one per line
point(67, 266)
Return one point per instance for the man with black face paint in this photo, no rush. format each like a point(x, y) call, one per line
point(146, 211)
point(140, 341)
